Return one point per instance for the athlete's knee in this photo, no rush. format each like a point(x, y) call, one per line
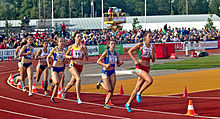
point(55, 83)
point(78, 79)
point(150, 81)
point(71, 83)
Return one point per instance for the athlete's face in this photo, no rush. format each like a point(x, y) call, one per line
point(29, 41)
point(112, 44)
point(61, 42)
point(45, 44)
point(148, 38)
point(78, 37)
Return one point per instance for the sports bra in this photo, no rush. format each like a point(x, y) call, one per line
point(27, 50)
point(43, 54)
point(111, 59)
point(76, 52)
point(59, 55)
point(145, 53)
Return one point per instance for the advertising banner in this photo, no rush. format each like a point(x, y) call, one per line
point(93, 50)
point(118, 48)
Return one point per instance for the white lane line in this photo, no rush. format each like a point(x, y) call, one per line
point(9, 72)
point(27, 115)
point(197, 91)
point(63, 109)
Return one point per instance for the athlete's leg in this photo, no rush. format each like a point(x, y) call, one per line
point(45, 79)
point(56, 79)
point(148, 81)
point(23, 71)
point(38, 73)
point(140, 82)
point(30, 77)
point(76, 75)
point(112, 82)
point(70, 84)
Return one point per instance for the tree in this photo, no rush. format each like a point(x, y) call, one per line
point(7, 27)
point(136, 25)
point(209, 23)
point(214, 7)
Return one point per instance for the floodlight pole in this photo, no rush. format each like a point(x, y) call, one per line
point(69, 9)
point(102, 17)
point(187, 7)
point(145, 17)
point(52, 14)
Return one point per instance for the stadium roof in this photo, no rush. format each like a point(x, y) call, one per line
point(96, 22)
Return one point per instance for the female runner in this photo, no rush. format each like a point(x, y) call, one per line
point(108, 81)
point(57, 69)
point(16, 56)
point(26, 64)
point(146, 51)
point(42, 65)
point(78, 51)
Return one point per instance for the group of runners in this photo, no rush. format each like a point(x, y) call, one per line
point(75, 54)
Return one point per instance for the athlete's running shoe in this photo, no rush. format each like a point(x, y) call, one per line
point(138, 97)
point(52, 100)
point(99, 84)
point(45, 93)
point(30, 94)
point(79, 101)
point(128, 108)
point(63, 94)
point(24, 89)
point(107, 106)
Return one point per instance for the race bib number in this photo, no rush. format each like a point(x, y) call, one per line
point(60, 56)
point(77, 54)
point(146, 53)
point(112, 59)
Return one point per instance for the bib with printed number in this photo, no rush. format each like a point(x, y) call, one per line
point(76, 52)
point(145, 52)
point(59, 55)
point(111, 59)
point(30, 56)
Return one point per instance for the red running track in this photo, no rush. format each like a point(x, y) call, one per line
point(16, 104)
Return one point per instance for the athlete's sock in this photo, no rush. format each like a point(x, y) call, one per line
point(45, 85)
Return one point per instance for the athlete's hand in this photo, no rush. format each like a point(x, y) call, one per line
point(70, 57)
point(49, 66)
point(107, 66)
point(15, 57)
point(29, 52)
point(137, 63)
point(120, 63)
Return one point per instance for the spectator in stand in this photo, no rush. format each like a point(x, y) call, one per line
point(3, 44)
point(165, 27)
point(63, 27)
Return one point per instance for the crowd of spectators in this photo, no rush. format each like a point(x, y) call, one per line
point(102, 37)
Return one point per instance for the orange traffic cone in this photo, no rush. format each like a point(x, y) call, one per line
point(194, 54)
point(109, 102)
point(34, 88)
point(173, 56)
point(42, 84)
point(9, 77)
point(59, 94)
point(12, 80)
point(19, 85)
point(185, 95)
point(121, 91)
point(190, 110)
